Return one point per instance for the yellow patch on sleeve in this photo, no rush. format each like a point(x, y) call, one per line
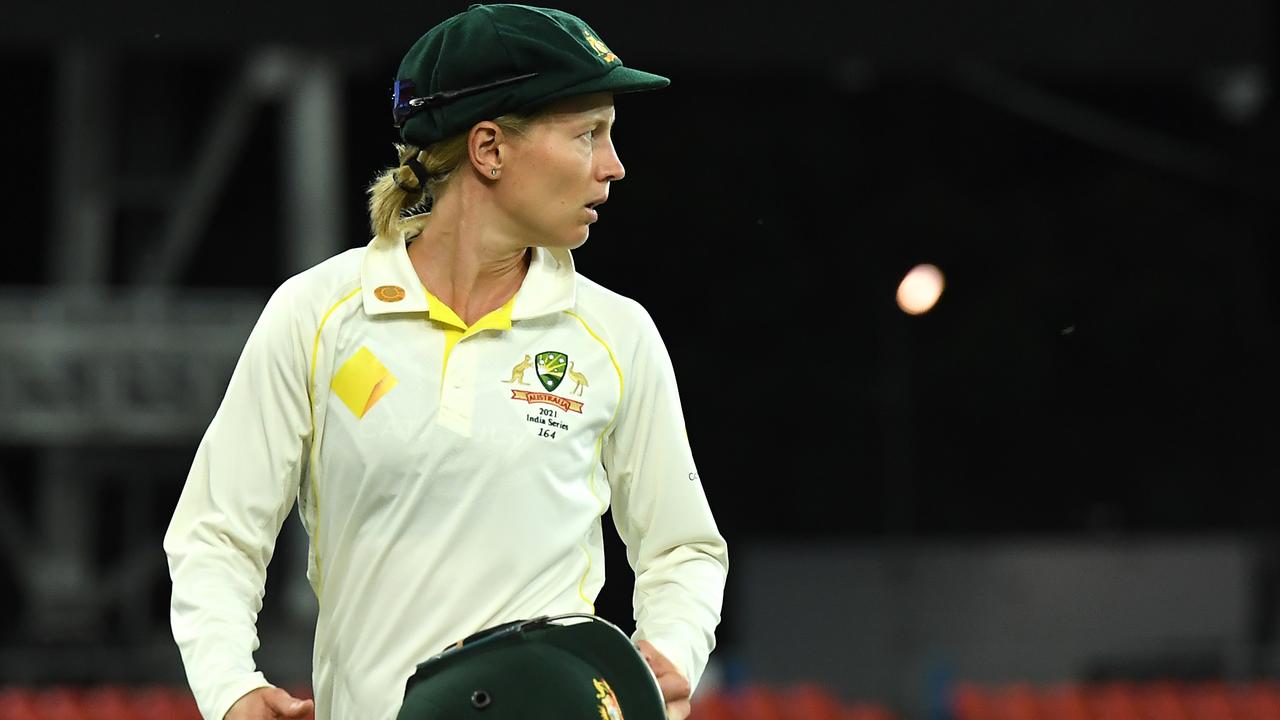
point(362, 381)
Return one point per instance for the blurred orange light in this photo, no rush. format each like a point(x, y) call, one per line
point(920, 289)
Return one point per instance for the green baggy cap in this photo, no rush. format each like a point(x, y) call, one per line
point(539, 669)
point(497, 59)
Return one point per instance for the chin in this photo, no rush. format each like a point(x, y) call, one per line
point(571, 240)
point(576, 240)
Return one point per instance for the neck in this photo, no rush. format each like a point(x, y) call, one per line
point(468, 263)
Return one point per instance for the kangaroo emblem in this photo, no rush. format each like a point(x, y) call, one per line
point(517, 372)
point(578, 378)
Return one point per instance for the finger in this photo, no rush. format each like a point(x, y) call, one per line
point(282, 703)
point(253, 705)
point(656, 660)
point(671, 682)
point(646, 651)
point(674, 686)
point(679, 710)
point(300, 709)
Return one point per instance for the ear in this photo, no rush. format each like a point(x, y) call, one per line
point(485, 144)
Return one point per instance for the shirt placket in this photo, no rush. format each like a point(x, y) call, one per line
point(457, 394)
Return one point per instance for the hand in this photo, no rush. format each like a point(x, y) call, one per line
point(269, 703)
point(674, 686)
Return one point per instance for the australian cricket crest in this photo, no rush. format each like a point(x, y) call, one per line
point(609, 709)
point(550, 368)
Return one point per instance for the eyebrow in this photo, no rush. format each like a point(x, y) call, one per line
point(604, 117)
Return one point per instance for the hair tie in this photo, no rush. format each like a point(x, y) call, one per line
point(419, 172)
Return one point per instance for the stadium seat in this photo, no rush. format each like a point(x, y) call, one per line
point(1147, 700)
point(711, 706)
point(866, 711)
point(1114, 701)
point(1163, 699)
point(18, 704)
point(60, 704)
point(110, 702)
point(1065, 702)
point(809, 702)
point(756, 703)
point(157, 703)
point(970, 702)
point(107, 703)
point(1259, 701)
point(1210, 701)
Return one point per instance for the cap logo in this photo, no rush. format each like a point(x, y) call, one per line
point(601, 49)
point(609, 709)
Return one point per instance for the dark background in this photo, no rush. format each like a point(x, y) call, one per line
point(1096, 180)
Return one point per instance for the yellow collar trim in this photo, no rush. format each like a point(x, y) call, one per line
point(390, 282)
point(499, 319)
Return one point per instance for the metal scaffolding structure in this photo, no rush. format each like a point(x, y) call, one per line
point(99, 376)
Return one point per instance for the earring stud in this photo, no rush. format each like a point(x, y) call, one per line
point(493, 172)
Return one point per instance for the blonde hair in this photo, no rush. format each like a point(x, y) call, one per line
point(398, 192)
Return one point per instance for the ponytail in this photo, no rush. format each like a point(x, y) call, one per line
point(417, 181)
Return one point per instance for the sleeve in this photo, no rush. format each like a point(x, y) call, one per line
point(242, 484)
point(660, 509)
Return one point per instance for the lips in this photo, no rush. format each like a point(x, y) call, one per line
point(591, 207)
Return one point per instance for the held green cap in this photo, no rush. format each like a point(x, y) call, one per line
point(539, 669)
point(497, 59)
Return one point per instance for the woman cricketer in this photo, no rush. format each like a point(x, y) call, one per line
point(453, 407)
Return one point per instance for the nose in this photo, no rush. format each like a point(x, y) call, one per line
point(610, 167)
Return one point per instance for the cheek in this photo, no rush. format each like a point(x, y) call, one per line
point(539, 199)
point(565, 182)
point(552, 185)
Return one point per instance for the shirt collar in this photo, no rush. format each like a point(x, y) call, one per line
point(389, 284)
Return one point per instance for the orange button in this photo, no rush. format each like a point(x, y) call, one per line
point(389, 293)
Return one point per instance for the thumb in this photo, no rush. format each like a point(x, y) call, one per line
point(287, 705)
point(671, 682)
point(673, 685)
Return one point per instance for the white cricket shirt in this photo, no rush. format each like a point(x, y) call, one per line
point(450, 478)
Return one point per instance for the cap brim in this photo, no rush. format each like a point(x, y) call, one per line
point(598, 646)
point(618, 80)
point(603, 646)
